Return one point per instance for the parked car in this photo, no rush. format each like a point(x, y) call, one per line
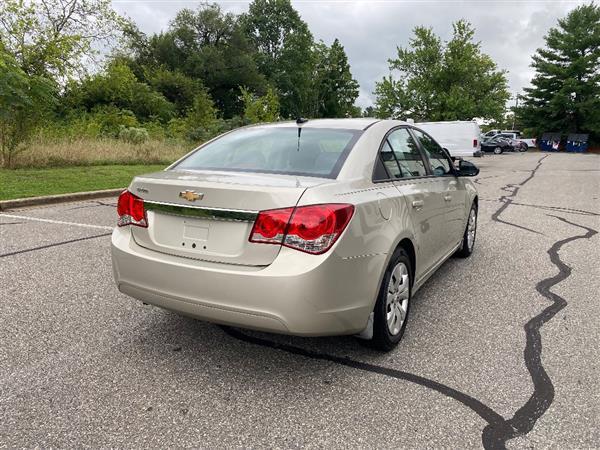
point(496, 145)
point(461, 138)
point(515, 145)
point(512, 134)
point(325, 227)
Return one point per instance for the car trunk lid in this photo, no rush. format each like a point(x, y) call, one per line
point(209, 215)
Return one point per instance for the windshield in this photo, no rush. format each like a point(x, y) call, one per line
point(317, 152)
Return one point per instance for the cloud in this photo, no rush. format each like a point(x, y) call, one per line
point(509, 31)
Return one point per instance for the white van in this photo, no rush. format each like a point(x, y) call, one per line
point(461, 138)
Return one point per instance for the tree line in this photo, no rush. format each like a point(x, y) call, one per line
point(76, 68)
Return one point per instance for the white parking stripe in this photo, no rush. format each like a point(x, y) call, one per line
point(60, 222)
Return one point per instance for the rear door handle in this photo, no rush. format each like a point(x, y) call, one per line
point(447, 197)
point(417, 204)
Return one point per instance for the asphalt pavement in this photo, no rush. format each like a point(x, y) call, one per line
point(501, 348)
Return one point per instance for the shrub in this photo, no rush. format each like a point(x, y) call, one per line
point(260, 109)
point(134, 135)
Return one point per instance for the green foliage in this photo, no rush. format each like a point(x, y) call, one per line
point(109, 120)
point(24, 102)
point(118, 87)
point(442, 81)
point(203, 44)
point(175, 86)
point(285, 53)
point(336, 90)
point(134, 135)
point(200, 122)
point(260, 109)
point(565, 92)
point(50, 38)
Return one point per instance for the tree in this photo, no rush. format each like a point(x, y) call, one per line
point(24, 101)
point(206, 45)
point(52, 38)
point(260, 109)
point(118, 87)
point(442, 81)
point(285, 53)
point(178, 88)
point(336, 90)
point(565, 92)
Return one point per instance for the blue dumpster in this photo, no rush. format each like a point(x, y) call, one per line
point(577, 143)
point(550, 142)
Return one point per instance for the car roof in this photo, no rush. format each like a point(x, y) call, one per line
point(347, 124)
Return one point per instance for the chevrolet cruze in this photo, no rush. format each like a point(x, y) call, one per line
point(311, 228)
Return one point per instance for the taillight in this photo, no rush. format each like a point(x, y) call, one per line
point(270, 226)
point(130, 209)
point(475, 143)
point(311, 229)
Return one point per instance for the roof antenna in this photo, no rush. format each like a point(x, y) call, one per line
point(299, 122)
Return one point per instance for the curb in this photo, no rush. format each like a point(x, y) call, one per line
point(61, 198)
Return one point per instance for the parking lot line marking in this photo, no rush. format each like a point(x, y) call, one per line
point(56, 244)
point(59, 222)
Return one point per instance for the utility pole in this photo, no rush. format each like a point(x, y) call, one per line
point(515, 110)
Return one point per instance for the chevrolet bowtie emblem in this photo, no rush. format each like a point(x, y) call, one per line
point(191, 196)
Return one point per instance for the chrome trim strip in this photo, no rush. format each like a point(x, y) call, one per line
point(234, 215)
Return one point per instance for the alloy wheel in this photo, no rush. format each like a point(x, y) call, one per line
point(471, 229)
point(397, 298)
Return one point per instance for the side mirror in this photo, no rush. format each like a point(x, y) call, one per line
point(467, 169)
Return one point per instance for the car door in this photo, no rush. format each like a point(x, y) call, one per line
point(449, 187)
point(403, 163)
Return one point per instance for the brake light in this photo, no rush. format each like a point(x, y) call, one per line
point(130, 209)
point(475, 143)
point(312, 229)
point(270, 226)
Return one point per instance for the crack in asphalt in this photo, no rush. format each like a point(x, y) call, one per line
point(94, 204)
point(581, 212)
point(542, 397)
point(481, 409)
point(507, 200)
point(498, 429)
point(565, 209)
point(42, 247)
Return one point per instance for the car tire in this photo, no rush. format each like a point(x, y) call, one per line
point(468, 241)
point(393, 303)
point(524, 148)
point(497, 150)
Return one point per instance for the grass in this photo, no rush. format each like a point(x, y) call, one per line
point(43, 152)
point(20, 183)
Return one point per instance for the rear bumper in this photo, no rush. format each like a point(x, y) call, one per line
point(297, 294)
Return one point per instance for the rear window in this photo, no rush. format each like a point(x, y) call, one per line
point(317, 152)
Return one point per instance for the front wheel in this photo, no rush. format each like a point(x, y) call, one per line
point(524, 148)
point(468, 241)
point(498, 150)
point(392, 306)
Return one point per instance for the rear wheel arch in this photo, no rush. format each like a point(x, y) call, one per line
point(409, 248)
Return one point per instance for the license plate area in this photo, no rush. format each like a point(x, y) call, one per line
point(197, 236)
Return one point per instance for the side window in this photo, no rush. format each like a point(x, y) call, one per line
point(440, 165)
point(389, 161)
point(399, 158)
point(407, 154)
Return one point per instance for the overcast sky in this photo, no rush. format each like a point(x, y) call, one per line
point(509, 31)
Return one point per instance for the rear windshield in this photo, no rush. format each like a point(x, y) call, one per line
point(317, 152)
